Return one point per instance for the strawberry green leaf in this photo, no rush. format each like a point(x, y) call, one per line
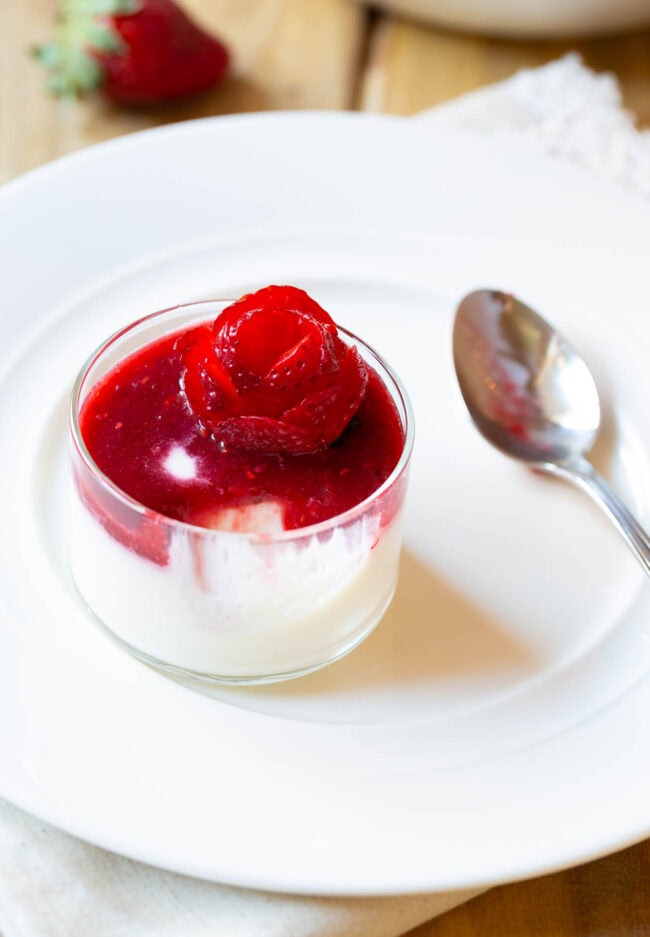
point(112, 7)
point(83, 27)
point(102, 39)
point(72, 70)
point(49, 54)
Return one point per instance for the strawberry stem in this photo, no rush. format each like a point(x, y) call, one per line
point(82, 27)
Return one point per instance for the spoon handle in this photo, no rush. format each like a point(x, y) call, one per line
point(582, 474)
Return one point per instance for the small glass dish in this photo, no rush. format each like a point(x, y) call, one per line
point(220, 606)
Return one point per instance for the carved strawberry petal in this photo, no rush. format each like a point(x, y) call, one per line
point(264, 434)
point(207, 386)
point(289, 298)
point(253, 343)
point(352, 387)
point(328, 411)
point(305, 362)
point(282, 370)
point(311, 412)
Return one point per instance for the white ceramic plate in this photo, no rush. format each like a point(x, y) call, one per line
point(495, 724)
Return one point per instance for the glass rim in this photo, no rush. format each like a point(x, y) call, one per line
point(297, 533)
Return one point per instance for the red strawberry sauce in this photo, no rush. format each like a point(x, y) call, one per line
point(138, 415)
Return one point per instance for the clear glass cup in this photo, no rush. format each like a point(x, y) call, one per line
point(220, 606)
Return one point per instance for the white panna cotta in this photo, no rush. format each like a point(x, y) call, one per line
point(236, 607)
point(240, 592)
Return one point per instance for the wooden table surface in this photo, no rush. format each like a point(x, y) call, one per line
point(317, 54)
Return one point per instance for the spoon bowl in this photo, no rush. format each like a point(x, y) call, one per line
point(532, 396)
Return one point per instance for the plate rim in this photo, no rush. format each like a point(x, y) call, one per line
point(23, 183)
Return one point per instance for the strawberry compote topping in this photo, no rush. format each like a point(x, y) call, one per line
point(266, 404)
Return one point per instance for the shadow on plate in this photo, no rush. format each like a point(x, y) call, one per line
point(430, 633)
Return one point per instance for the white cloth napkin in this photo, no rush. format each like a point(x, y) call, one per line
point(563, 109)
point(53, 885)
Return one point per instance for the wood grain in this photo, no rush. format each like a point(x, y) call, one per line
point(287, 54)
point(607, 898)
point(412, 67)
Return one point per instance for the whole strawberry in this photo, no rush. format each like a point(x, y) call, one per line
point(138, 52)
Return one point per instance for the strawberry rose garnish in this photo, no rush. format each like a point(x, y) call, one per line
point(272, 374)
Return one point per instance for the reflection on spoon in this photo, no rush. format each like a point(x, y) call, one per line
point(533, 397)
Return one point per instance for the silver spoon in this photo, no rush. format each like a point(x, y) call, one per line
point(532, 396)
